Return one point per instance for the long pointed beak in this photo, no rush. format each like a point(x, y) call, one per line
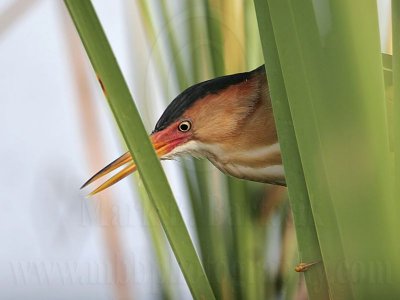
point(125, 159)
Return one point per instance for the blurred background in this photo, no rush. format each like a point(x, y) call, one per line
point(56, 130)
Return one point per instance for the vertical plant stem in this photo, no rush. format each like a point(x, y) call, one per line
point(243, 228)
point(158, 240)
point(215, 38)
point(395, 113)
point(173, 45)
point(132, 128)
point(95, 154)
point(343, 147)
point(307, 239)
point(396, 87)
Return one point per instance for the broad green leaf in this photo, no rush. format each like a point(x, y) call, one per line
point(332, 71)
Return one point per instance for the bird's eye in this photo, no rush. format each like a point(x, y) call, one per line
point(184, 126)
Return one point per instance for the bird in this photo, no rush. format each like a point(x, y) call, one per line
point(228, 120)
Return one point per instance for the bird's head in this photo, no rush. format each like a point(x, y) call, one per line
point(201, 117)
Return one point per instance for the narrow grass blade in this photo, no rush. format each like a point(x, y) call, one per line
point(91, 126)
point(389, 90)
point(307, 239)
point(253, 50)
point(134, 133)
point(158, 240)
point(243, 235)
point(215, 38)
point(396, 116)
point(396, 88)
point(173, 45)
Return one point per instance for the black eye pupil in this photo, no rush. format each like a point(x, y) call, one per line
point(184, 126)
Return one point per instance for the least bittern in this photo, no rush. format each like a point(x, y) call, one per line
point(227, 120)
